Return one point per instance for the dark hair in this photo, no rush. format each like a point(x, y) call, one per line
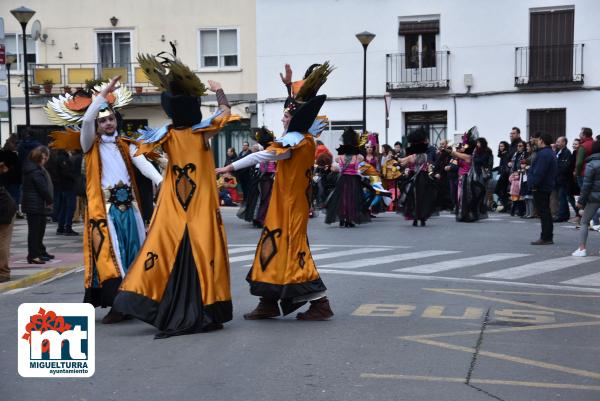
point(398, 143)
point(546, 138)
point(484, 144)
point(516, 129)
point(245, 143)
point(576, 140)
point(233, 151)
point(318, 142)
point(505, 147)
point(36, 154)
point(587, 132)
point(596, 147)
point(386, 149)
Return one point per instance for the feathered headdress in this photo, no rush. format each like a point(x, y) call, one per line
point(264, 136)
point(305, 90)
point(169, 74)
point(68, 110)
point(181, 87)
point(469, 140)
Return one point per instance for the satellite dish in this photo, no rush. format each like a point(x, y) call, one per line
point(36, 30)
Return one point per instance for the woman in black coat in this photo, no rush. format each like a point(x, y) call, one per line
point(36, 202)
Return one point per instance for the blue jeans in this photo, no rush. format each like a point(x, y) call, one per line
point(563, 202)
point(65, 205)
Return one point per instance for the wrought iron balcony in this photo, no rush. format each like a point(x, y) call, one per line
point(419, 71)
point(549, 65)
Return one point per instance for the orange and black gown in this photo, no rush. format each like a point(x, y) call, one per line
point(180, 282)
point(283, 268)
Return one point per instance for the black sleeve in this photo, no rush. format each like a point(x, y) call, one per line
point(41, 186)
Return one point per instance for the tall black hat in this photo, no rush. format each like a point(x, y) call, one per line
point(303, 103)
point(180, 85)
point(418, 140)
point(349, 144)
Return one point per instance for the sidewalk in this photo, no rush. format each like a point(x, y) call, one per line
point(68, 252)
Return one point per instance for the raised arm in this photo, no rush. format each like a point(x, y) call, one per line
point(145, 167)
point(252, 159)
point(88, 126)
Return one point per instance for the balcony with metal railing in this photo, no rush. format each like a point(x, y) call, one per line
point(418, 71)
point(53, 79)
point(542, 66)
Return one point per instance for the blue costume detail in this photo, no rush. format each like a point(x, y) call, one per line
point(127, 234)
point(151, 135)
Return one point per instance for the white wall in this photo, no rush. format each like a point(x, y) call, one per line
point(481, 37)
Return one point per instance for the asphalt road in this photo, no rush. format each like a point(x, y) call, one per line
point(451, 311)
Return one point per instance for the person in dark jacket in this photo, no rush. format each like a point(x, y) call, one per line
point(64, 192)
point(37, 203)
point(564, 176)
point(503, 173)
point(589, 200)
point(542, 179)
point(8, 209)
point(11, 180)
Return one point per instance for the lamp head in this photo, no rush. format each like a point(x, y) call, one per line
point(365, 38)
point(22, 14)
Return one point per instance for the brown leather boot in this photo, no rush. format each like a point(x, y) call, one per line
point(265, 309)
point(319, 310)
point(113, 317)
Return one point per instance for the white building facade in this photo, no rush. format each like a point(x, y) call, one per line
point(447, 65)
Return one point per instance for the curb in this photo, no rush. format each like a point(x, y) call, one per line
point(37, 278)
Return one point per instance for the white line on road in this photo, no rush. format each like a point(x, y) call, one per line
point(241, 249)
point(532, 269)
point(591, 279)
point(354, 264)
point(250, 256)
point(458, 263)
point(459, 280)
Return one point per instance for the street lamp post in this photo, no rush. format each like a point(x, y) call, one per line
point(387, 98)
point(23, 15)
point(365, 38)
point(10, 59)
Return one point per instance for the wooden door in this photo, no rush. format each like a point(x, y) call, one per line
point(551, 46)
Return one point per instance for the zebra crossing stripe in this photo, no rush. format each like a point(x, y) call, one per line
point(458, 263)
point(250, 256)
point(535, 268)
point(346, 252)
point(354, 264)
point(241, 249)
point(592, 280)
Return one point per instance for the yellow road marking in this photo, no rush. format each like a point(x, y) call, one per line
point(481, 381)
point(437, 312)
point(519, 293)
point(523, 304)
point(504, 357)
point(505, 330)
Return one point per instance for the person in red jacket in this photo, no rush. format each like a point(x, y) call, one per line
point(585, 150)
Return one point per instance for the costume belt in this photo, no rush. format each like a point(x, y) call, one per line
point(121, 195)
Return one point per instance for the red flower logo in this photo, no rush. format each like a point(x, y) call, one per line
point(45, 321)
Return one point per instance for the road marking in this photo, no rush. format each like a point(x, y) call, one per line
point(594, 290)
point(381, 260)
point(509, 358)
point(591, 279)
point(241, 249)
point(450, 291)
point(250, 256)
point(532, 269)
point(566, 386)
point(458, 263)
point(437, 312)
point(505, 330)
point(550, 294)
point(348, 252)
point(346, 246)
